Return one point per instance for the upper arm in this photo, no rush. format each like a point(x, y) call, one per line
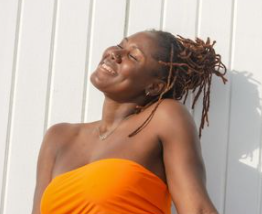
point(46, 159)
point(184, 165)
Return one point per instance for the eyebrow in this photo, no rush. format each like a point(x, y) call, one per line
point(126, 39)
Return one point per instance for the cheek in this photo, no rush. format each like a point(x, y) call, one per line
point(135, 80)
point(130, 70)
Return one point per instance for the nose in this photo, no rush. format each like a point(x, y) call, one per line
point(115, 55)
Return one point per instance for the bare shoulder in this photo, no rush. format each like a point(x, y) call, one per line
point(58, 129)
point(182, 156)
point(55, 137)
point(173, 108)
point(176, 119)
point(176, 127)
point(62, 129)
point(61, 136)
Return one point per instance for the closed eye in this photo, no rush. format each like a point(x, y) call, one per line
point(120, 46)
point(133, 57)
point(130, 55)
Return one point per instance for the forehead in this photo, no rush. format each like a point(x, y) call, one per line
point(146, 41)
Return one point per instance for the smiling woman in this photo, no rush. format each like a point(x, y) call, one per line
point(145, 151)
point(133, 67)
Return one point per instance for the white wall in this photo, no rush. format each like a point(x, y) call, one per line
point(49, 48)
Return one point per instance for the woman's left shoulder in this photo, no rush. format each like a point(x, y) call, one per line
point(174, 121)
point(172, 108)
point(174, 115)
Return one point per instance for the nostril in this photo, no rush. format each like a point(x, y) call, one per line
point(116, 57)
point(113, 55)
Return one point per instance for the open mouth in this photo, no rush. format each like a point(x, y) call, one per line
point(107, 68)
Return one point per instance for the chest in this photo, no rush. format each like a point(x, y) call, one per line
point(86, 147)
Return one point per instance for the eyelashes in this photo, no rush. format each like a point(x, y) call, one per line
point(130, 55)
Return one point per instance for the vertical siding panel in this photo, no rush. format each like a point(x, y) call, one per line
point(230, 78)
point(245, 127)
point(69, 61)
point(260, 172)
point(29, 104)
point(180, 19)
point(9, 25)
point(153, 15)
point(214, 149)
point(259, 206)
point(198, 17)
point(144, 15)
point(107, 30)
point(87, 57)
point(50, 67)
point(259, 150)
point(126, 17)
point(162, 14)
point(31, 62)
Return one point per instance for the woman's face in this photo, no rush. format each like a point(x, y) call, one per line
point(127, 68)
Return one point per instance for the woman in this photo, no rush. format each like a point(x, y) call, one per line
point(145, 150)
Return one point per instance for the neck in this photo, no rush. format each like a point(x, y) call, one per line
point(115, 112)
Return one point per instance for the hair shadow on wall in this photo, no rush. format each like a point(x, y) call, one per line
point(244, 139)
point(244, 130)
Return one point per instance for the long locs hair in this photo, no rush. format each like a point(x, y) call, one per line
point(187, 66)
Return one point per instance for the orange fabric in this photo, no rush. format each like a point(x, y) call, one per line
point(107, 186)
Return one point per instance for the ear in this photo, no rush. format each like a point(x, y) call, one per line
point(155, 88)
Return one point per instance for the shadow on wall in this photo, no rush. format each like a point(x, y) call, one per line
point(244, 147)
point(244, 165)
point(246, 118)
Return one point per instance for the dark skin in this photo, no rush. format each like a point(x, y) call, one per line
point(171, 150)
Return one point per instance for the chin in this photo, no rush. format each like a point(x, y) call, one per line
point(96, 82)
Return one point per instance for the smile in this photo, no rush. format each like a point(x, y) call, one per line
point(107, 68)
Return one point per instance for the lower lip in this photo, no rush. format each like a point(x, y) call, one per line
point(106, 71)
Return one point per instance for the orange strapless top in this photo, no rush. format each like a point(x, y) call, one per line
point(107, 186)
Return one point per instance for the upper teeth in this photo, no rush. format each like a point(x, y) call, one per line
point(108, 68)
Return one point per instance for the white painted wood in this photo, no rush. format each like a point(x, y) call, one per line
point(46, 59)
point(214, 149)
point(69, 61)
point(9, 14)
point(181, 19)
point(144, 15)
point(107, 30)
point(29, 104)
point(245, 119)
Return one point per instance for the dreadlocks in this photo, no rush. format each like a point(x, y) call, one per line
point(186, 65)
